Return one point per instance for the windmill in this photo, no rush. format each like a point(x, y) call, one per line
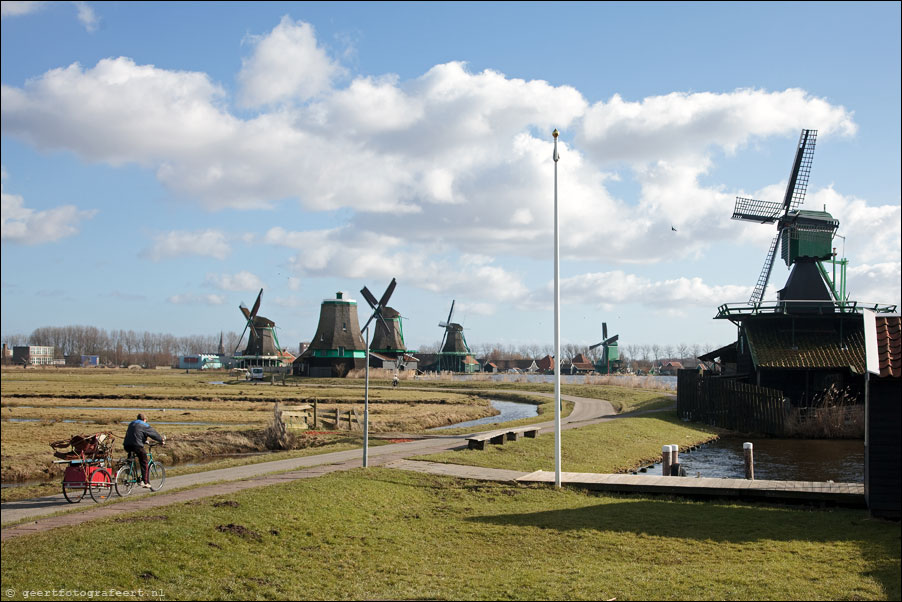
point(262, 339)
point(389, 334)
point(454, 348)
point(337, 347)
point(610, 352)
point(805, 236)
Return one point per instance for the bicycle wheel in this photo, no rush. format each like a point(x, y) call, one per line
point(125, 480)
point(73, 492)
point(156, 475)
point(101, 485)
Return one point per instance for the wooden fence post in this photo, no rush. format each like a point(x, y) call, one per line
point(315, 416)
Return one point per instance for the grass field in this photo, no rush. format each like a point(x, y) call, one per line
point(382, 534)
point(608, 447)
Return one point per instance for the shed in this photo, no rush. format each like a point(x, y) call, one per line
point(883, 410)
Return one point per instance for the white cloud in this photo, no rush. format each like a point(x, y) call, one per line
point(287, 64)
point(84, 11)
point(435, 167)
point(192, 299)
point(242, 281)
point(12, 8)
point(179, 243)
point(618, 287)
point(26, 226)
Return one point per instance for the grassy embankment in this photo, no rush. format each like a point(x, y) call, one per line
point(382, 534)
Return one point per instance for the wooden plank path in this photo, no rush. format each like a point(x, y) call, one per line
point(843, 494)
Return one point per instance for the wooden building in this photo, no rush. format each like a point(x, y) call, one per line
point(882, 448)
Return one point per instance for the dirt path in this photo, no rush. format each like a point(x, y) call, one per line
point(227, 480)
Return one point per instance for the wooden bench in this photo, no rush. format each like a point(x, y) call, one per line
point(499, 437)
point(478, 441)
point(524, 431)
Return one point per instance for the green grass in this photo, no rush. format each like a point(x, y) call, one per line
point(382, 534)
point(608, 447)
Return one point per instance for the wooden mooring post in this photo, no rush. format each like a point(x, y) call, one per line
point(748, 452)
point(665, 460)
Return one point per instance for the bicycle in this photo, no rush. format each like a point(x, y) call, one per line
point(129, 473)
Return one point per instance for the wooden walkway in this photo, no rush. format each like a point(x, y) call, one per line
point(842, 494)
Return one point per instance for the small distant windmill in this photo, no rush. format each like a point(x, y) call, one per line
point(805, 236)
point(610, 352)
point(262, 339)
point(454, 346)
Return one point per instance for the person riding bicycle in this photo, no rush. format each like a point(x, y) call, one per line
point(135, 438)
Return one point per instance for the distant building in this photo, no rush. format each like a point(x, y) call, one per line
point(200, 361)
point(670, 368)
point(90, 361)
point(581, 365)
point(33, 355)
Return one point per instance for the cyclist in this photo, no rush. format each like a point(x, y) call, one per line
point(135, 438)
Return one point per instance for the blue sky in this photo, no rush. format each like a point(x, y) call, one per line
point(164, 161)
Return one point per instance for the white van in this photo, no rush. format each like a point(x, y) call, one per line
point(255, 373)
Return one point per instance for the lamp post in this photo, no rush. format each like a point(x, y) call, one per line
point(557, 328)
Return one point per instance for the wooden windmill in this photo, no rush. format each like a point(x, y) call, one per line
point(454, 348)
point(806, 237)
point(262, 340)
point(610, 352)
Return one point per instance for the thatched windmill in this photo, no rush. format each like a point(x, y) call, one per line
point(337, 347)
point(454, 349)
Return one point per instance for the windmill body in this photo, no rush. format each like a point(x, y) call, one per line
point(262, 347)
point(610, 352)
point(454, 353)
point(337, 347)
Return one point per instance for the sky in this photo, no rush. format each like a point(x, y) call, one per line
point(163, 162)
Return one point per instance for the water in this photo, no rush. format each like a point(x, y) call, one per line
point(510, 410)
point(838, 460)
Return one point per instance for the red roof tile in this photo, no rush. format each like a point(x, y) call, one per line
point(889, 346)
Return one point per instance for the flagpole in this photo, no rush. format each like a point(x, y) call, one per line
point(366, 402)
point(557, 329)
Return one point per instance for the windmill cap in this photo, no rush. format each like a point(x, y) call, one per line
point(340, 298)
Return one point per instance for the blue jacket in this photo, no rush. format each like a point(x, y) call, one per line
point(137, 434)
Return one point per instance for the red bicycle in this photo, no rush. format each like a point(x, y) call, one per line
point(89, 469)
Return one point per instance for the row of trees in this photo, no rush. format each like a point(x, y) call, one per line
point(127, 347)
point(641, 357)
point(121, 347)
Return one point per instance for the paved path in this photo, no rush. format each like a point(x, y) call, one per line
point(585, 411)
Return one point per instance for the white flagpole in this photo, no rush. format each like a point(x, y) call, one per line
point(366, 402)
point(557, 329)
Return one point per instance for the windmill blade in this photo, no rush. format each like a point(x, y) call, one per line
point(801, 169)
point(237, 345)
point(753, 210)
point(613, 339)
point(450, 313)
point(604, 330)
point(387, 295)
point(257, 304)
point(764, 277)
point(596, 345)
point(369, 297)
point(245, 311)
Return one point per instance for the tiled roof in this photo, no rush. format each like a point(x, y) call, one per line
point(773, 345)
point(889, 346)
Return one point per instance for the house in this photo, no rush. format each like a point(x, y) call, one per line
point(883, 410)
point(581, 365)
point(670, 368)
point(33, 355)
